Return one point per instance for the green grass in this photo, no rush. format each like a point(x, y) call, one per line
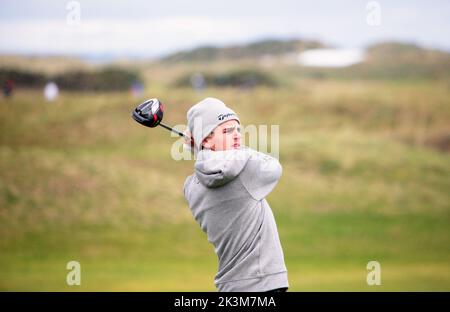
point(81, 181)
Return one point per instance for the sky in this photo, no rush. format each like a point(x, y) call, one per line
point(156, 28)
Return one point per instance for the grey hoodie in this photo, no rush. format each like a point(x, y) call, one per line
point(227, 198)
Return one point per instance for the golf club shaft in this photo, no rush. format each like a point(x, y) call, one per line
point(173, 130)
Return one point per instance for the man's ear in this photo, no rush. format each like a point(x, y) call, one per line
point(207, 143)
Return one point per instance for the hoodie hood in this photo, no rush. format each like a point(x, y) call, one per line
point(217, 168)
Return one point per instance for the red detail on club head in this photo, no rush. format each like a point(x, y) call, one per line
point(154, 117)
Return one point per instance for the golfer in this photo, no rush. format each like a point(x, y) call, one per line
point(226, 195)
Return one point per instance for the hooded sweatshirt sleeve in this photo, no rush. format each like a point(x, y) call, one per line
point(215, 169)
point(261, 174)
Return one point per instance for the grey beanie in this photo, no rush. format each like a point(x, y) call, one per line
point(205, 116)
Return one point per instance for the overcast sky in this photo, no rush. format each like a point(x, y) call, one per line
point(154, 28)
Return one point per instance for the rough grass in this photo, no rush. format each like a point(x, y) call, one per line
point(81, 181)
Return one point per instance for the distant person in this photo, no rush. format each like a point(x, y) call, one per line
point(198, 82)
point(51, 91)
point(226, 195)
point(8, 88)
point(137, 89)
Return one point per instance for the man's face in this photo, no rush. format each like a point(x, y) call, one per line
point(225, 137)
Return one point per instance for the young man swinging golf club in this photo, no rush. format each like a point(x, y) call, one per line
point(226, 195)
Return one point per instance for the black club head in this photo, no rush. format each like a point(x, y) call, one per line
point(150, 113)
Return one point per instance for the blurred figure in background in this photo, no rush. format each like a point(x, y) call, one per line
point(198, 82)
point(8, 88)
point(137, 89)
point(51, 91)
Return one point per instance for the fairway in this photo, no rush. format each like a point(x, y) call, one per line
point(365, 177)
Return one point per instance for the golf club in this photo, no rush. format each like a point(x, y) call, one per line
point(150, 114)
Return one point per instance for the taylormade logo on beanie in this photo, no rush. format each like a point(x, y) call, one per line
point(205, 116)
point(222, 117)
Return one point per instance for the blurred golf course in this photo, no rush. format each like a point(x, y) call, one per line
point(366, 176)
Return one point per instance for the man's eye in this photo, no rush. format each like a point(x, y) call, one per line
point(230, 130)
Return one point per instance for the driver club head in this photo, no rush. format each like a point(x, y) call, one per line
point(149, 113)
